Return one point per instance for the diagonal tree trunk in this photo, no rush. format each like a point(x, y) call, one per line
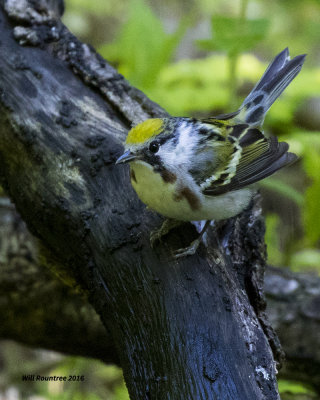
point(188, 329)
point(38, 309)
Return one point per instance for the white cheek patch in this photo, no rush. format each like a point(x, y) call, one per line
point(183, 151)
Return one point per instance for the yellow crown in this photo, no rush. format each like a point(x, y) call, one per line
point(144, 131)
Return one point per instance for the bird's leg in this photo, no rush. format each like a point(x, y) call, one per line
point(166, 227)
point(190, 250)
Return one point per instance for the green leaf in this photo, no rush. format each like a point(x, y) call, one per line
point(97, 7)
point(311, 162)
point(293, 387)
point(307, 146)
point(235, 35)
point(190, 85)
point(272, 239)
point(306, 259)
point(284, 189)
point(143, 48)
point(311, 213)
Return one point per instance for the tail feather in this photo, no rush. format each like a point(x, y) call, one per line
point(276, 78)
point(276, 65)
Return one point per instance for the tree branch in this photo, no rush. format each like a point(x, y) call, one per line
point(180, 327)
point(33, 300)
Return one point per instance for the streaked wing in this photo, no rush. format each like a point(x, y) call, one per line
point(254, 158)
point(213, 152)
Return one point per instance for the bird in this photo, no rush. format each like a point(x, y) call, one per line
point(189, 169)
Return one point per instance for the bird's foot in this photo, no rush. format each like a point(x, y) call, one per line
point(188, 251)
point(166, 227)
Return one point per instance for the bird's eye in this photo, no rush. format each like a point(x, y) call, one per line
point(154, 147)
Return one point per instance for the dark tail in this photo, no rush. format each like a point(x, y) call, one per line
point(276, 78)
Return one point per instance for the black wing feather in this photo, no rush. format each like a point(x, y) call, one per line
point(260, 157)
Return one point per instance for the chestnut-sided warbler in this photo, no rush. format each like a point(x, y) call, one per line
point(191, 169)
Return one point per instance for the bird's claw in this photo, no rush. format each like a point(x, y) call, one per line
point(188, 251)
point(157, 234)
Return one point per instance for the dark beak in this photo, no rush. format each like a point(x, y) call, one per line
point(126, 157)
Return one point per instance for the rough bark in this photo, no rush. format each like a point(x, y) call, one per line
point(188, 329)
point(55, 317)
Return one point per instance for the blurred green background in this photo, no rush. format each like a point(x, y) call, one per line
point(200, 58)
